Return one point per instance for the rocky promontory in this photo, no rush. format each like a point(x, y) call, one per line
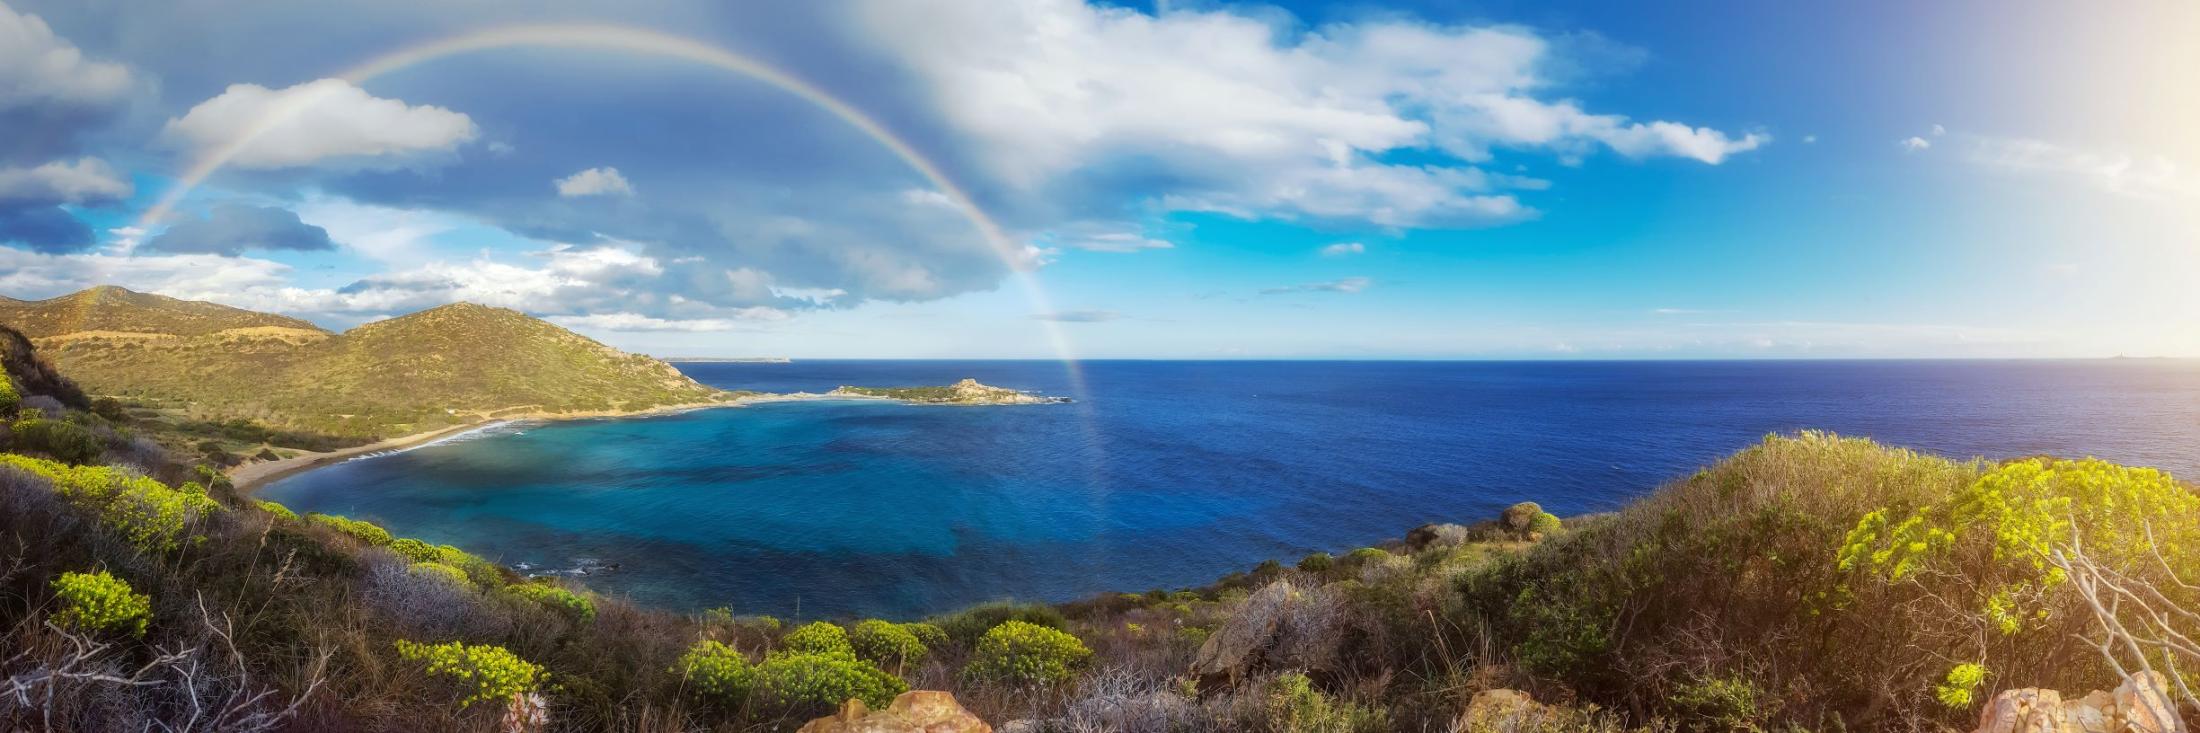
point(965, 392)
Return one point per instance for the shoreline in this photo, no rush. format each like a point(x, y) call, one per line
point(251, 476)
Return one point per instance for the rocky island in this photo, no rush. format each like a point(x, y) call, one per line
point(965, 392)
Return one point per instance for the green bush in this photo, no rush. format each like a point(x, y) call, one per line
point(574, 604)
point(148, 514)
point(716, 672)
point(10, 400)
point(932, 637)
point(278, 510)
point(807, 685)
point(965, 626)
point(1294, 706)
point(1319, 562)
point(65, 441)
point(1366, 555)
point(442, 572)
point(363, 531)
point(886, 644)
point(482, 572)
point(1720, 703)
point(482, 672)
point(1017, 652)
point(818, 637)
point(100, 602)
point(1545, 524)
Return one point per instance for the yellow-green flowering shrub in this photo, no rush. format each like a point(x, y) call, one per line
point(1544, 523)
point(442, 572)
point(278, 510)
point(363, 531)
point(1960, 688)
point(10, 400)
point(2021, 512)
point(482, 672)
point(100, 602)
point(1294, 706)
point(818, 637)
point(932, 637)
point(886, 644)
point(1023, 653)
point(716, 671)
point(481, 571)
point(806, 684)
point(574, 604)
point(145, 512)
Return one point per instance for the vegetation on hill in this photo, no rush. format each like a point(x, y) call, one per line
point(965, 392)
point(245, 380)
point(1809, 582)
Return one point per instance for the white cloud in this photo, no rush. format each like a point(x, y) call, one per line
point(87, 181)
point(1939, 131)
point(1096, 236)
point(1342, 249)
point(1810, 139)
point(1914, 144)
point(604, 181)
point(1256, 121)
point(193, 276)
point(634, 322)
point(329, 120)
point(1345, 285)
point(38, 67)
point(2143, 176)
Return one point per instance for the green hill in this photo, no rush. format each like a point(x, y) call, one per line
point(451, 365)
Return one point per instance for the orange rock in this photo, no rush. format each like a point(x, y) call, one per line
point(916, 711)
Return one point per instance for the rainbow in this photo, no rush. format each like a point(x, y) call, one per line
point(654, 43)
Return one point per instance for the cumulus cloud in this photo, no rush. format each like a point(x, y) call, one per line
point(604, 181)
point(1914, 144)
point(1245, 118)
point(637, 323)
point(1095, 236)
point(325, 121)
point(38, 66)
point(1342, 249)
point(1078, 316)
point(88, 181)
point(1345, 285)
point(232, 229)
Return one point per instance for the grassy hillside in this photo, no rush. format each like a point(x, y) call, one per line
point(440, 367)
point(1807, 583)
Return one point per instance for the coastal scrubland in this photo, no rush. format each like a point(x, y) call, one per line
point(1808, 582)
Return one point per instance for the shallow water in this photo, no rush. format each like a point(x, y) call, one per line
point(1167, 474)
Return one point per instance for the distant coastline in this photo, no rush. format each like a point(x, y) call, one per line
point(725, 360)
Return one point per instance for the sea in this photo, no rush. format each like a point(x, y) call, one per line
point(1167, 474)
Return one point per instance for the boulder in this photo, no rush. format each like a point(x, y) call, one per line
point(1437, 535)
point(1280, 626)
point(1498, 711)
point(916, 711)
point(1518, 518)
point(2140, 705)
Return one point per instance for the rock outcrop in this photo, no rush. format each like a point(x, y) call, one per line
point(1437, 535)
point(2140, 705)
point(916, 711)
point(1280, 626)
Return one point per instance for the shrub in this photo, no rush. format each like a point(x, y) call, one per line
point(1720, 703)
point(482, 672)
point(1544, 523)
point(886, 644)
point(965, 626)
point(1367, 555)
point(932, 637)
point(574, 604)
point(10, 400)
point(1958, 689)
point(482, 572)
point(65, 441)
point(1319, 562)
point(818, 637)
point(148, 514)
point(807, 685)
point(278, 510)
point(1017, 652)
point(442, 572)
point(1294, 706)
point(100, 602)
point(363, 531)
point(716, 671)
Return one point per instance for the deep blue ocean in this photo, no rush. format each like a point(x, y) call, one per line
point(1168, 474)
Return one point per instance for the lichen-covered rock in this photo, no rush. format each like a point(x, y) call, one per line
point(2140, 705)
point(1281, 626)
point(1437, 535)
point(916, 711)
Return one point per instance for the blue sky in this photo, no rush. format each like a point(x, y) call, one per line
point(1191, 180)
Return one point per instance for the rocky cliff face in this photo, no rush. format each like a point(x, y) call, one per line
point(2140, 705)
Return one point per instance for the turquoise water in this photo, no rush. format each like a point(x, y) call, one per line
point(1167, 474)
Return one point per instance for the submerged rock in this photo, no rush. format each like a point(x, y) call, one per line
point(916, 711)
